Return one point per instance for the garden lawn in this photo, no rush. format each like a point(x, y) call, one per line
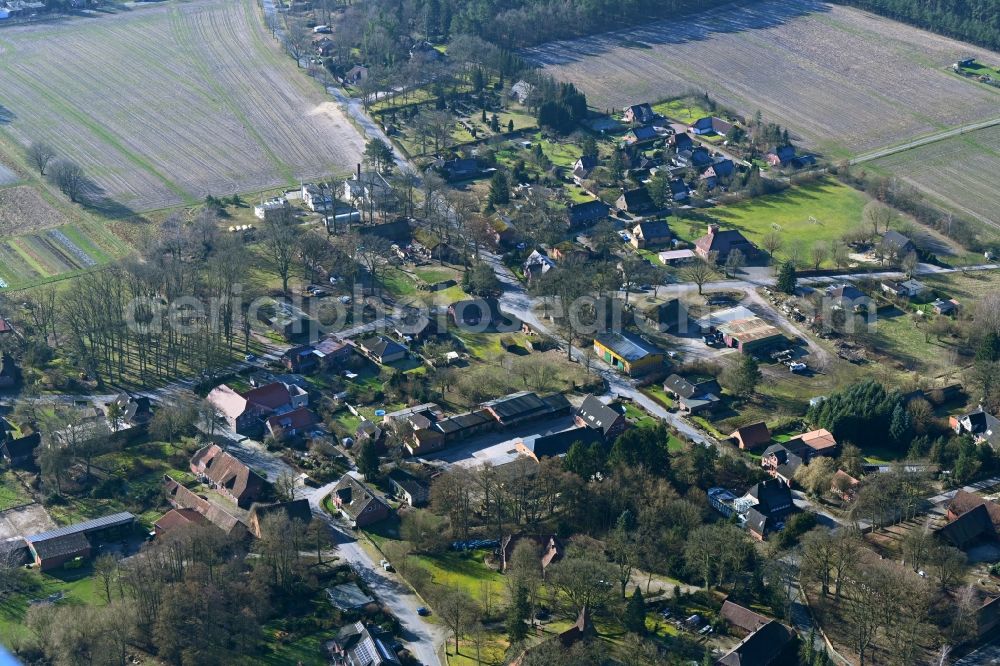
point(462, 571)
point(12, 493)
point(685, 109)
point(821, 211)
point(76, 585)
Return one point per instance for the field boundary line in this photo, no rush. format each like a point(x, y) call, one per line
point(923, 141)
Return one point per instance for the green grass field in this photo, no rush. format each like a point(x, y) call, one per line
point(822, 211)
point(685, 110)
point(12, 493)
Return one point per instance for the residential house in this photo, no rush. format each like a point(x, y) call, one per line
point(897, 244)
point(782, 463)
point(720, 168)
point(245, 413)
point(711, 125)
point(294, 510)
point(133, 410)
point(752, 436)
point(904, 289)
point(943, 307)
point(521, 91)
point(983, 426)
point(324, 47)
point(460, 169)
point(773, 644)
point(332, 352)
point(221, 517)
point(357, 645)
point(782, 460)
point(550, 549)
point(780, 156)
point(635, 202)
point(607, 419)
point(368, 188)
point(639, 114)
point(584, 166)
point(355, 75)
point(971, 519)
point(655, 232)
point(751, 335)
point(301, 359)
point(537, 264)
point(744, 619)
point(681, 142)
point(848, 297)
point(452, 428)
point(357, 503)
point(318, 197)
point(10, 373)
point(19, 452)
point(227, 475)
point(770, 497)
point(410, 488)
point(641, 135)
point(844, 486)
point(6, 328)
point(700, 157)
point(819, 442)
point(55, 548)
point(369, 431)
point(671, 316)
point(759, 524)
point(676, 257)
point(177, 519)
point(291, 424)
point(679, 190)
point(381, 349)
point(271, 209)
point(587, 213)
point(628, 353)
point(696, 396)
point(720, 244)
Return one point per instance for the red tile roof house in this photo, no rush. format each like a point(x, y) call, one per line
point(227, 475)
point(245, 413)
point(180, 497)
point(722, 243)
point(752, 436)
point(291, 424)
point(177, 518)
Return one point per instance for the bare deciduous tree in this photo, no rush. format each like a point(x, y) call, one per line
point(40, 154)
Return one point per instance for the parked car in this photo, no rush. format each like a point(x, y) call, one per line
point(250, 358)
point(423, 611)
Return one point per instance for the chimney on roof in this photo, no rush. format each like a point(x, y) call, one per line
point(713, 229)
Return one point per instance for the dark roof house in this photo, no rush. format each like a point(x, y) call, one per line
point(595, 414)
point(635, 201)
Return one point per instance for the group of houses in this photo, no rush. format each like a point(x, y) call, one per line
point(425, 429)
point(761, 510)
point(244, 497)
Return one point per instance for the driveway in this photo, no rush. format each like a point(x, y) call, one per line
point(422, 637)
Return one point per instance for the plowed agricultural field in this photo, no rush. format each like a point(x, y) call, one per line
point(842, 80)
point(962, 172)
point(163, 105)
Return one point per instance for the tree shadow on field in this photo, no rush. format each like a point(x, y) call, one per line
point(700, 27)
point(96, 200)
point(6, 115)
